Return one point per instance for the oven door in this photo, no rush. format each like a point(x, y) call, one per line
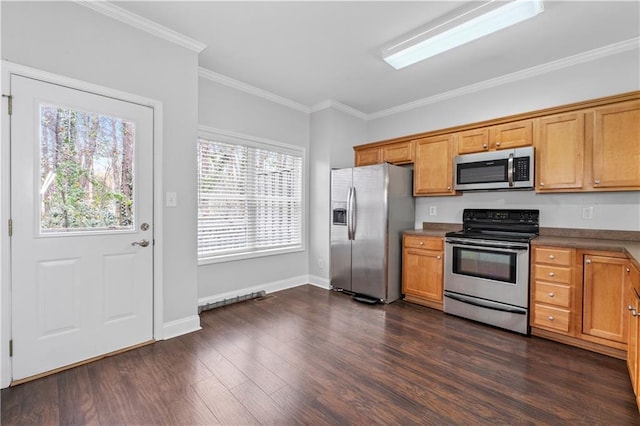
point(491, 270)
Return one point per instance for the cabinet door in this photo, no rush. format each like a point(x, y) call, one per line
point(422, 274)
point(398, 153)
point(604, 310)
point(616, 146)
point(559, 146)
point(368, 156)
point(633, 301)
point(511, 135)
point(475, 140)
point(433, 169)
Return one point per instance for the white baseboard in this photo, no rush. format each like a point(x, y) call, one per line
point(320, 282)
point(267, 287)
point(179, 327)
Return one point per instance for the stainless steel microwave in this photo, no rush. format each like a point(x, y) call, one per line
point(503, 169)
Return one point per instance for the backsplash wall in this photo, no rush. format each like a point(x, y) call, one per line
point(611, 210)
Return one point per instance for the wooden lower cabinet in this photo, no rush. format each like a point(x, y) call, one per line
point(552, 289)
point(422, 269)
point(633, 340)
point(578, 297)
point(604, 318)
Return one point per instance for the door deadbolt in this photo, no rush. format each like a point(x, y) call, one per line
point(144, 226)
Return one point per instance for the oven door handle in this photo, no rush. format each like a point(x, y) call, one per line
point(484, 304)
point(481, 245)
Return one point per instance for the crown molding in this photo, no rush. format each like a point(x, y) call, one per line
point(144, 24)
point(588, 56)
point(330, 103)
point(252, 90)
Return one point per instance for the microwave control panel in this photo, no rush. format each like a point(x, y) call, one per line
point(521, 169)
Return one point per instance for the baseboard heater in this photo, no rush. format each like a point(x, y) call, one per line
point(237, 299)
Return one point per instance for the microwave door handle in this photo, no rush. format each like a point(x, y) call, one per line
point(510, 169)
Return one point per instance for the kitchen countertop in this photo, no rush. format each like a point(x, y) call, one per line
point(629, 248)
point(625, 242)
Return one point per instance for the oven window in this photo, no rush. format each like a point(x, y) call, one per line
point(483, 263)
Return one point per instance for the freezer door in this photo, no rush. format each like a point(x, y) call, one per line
point(341, 180)
point(369, 246)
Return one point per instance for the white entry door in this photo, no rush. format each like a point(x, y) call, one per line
point(81, 210)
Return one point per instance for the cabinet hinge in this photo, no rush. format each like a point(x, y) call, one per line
point(10, 228)
point(9, 103)
point(10, 348)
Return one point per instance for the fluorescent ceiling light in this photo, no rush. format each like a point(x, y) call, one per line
point(476, 24)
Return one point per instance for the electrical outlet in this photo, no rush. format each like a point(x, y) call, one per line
point(587, 212)
point(433, 211)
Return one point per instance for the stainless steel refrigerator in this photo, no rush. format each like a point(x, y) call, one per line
point(370, 207)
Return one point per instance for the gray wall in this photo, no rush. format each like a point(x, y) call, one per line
point(74, 41)
point(229, 109)
point(333, 135)
point(607, 76)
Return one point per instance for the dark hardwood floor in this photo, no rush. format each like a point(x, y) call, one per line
point(310, 356)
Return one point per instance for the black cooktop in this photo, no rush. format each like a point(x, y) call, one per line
point(499, 225)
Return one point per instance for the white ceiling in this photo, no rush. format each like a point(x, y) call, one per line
point(313, 51)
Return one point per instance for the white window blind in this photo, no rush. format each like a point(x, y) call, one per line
point(249, 199)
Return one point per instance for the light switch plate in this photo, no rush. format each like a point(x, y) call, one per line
point(171, 199)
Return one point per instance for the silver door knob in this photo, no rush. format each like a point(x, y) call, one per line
point(141, 243)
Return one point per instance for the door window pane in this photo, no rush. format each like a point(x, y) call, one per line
point(86, 171)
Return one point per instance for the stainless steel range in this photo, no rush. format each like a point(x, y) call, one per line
point(487, 267)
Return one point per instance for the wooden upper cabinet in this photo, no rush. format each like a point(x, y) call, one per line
point(398, 153)
point(433, 171)
point(616, 147)
point(511, 135)
point(501, 136)
point(474, 140)
point(394, 153)
point(368, 156)
point(559, 142)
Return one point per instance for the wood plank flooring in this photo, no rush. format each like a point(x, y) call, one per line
point(310, 356)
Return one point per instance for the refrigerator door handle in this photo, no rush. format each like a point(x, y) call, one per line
point(351, 213)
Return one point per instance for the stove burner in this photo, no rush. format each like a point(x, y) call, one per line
point(499, 225)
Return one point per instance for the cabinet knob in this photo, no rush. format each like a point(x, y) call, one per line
point(551, 318)
point(484, 145)
point(541, 183)
point(588, 261)
point(551, 294)
point(630, 308)
point(448, 188)
point(634, 313)
point(421, 243)
point(551, 257)
point(437, 257)
point(597, 182)
point(551, 274)
point(628, 270)
point(497, 143)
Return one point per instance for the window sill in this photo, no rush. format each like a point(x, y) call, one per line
point(251, 255)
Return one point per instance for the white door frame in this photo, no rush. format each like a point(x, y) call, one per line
point(9, 68)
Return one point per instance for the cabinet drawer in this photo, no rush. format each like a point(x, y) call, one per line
point(553, 256)
point(553, 318)
point(553, 294)
point(555, 274)
point(428, 243)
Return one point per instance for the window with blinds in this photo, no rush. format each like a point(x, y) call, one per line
point(249, 199)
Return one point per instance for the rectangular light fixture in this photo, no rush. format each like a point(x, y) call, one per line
point(472, 25)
